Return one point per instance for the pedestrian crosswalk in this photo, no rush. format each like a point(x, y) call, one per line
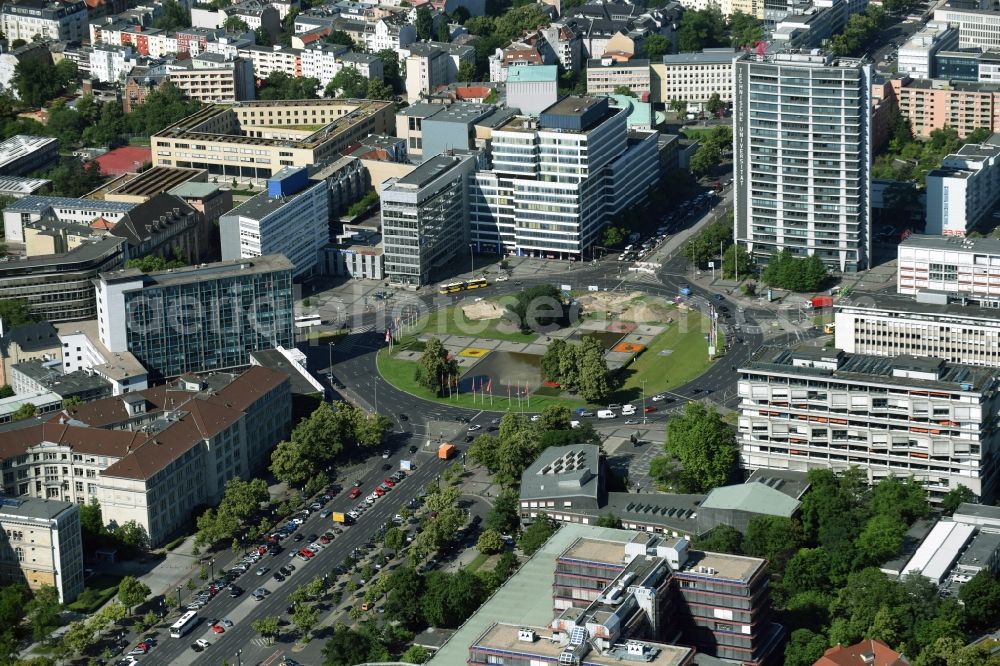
point(260, 642)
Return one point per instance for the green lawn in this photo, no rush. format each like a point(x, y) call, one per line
point(689, 359)
point(97, 591)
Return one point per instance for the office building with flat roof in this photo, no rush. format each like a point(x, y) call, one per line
point(291, 218)
point(977, 28)
point(807, 408)
point(81, 211)
point(929, 324)
point(802, 152)
point(152, 456)
point(553, 183)
point(43, 545)
point(37, 376)
point(964, 189)
point(425, 218)
point(968, 267)
point(252, 141)
point(605, 75)
point(693, 77)
point(918, 54)
point(231, 309)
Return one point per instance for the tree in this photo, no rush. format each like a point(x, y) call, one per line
point(39, 81)
point(903, 498)
point(73, 178)
point(787, 271)
point(174, 18)
point(268, 627)
point(15, 312)
point(346, 647)
point(152, 263)
point(656, 46)
point(163, 106)
point(394, 539)
point(305, 618)
point(444, 34)
point(623, 90)
point(78, 637)
point(404, 588)
point(859, 32)
point(132, 592)
point(554, 417)
point(25, 411)
point(42, 612)
point(614, 236)
point(981, 597)
point(956, 496)
point(279, 85)
point(729, 259)
point(707, 157)
point(715, 105)
point(537, 534)
point(415, 654)
point(380, 90)
point(679, 107)
point(504, 514)
point(706, 245)
point(349, 83)
point(704, 444)
point(467, 71)
point(549, 363)
point(700, 30)
point(775, 538)
point(594, 384)
point(609, 520)
point(451, 598)
point(343, 39)
point(436, 368)
point(539, 308)
point(490, 542)
point(745, 30)
point(236, 24)
point(424, 23)
point(390, 68)
point(65, 124)
point(723, 539)
point(808, 569)
point(804, 648)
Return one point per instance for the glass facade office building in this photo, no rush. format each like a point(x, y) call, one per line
point(198, 319)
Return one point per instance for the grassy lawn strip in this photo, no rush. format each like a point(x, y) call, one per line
point(99, 589)
point(478, 561)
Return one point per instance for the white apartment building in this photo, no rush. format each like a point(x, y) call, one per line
point(324, 61)
point(433, 64)
point(31, 20)
point(43, 545)
point(962, 266)
point(83, 350)
point(212, 78)
point(935, 420)
point(917, 55)
point(390, 32)
point(802, 153)
point(152, 456)
point(291, 218)
point(977, 28)
point(931, 324)
point(81, 211)
point(693, 77)
point(964, 189)
point(111, 64)
point(556, 181)
point(267, 59)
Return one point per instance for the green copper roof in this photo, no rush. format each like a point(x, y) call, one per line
point(752, 497)
point(531, 73)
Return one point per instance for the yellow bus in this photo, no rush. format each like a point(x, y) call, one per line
point(476, 284)
point(451, 288)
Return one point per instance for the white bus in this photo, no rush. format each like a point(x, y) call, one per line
point(305, 321)
point(184, 625)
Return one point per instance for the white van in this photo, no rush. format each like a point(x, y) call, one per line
point(628, 410)
point(605, 414)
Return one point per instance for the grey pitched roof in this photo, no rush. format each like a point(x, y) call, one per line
point(753, 497)
point(30, 337)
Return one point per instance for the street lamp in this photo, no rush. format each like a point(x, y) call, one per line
point(211, 569)
point(472, 261)
point(643, 382)
point(179, 597)
point(239, 661)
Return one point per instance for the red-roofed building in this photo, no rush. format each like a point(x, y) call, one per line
point(869, 652)
point(102, 224)
point(124, 160)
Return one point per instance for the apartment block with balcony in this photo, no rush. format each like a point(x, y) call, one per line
point(934, 104)
point(32, 20)
point(930, 324)
point(802, 153)
point(966, 267)
point(214, 78)
point(925, 417)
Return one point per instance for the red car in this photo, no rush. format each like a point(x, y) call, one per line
point(355, 493)
point(389, 482)
point(324, 539)
point(379, 492)
point(217, 628)
point(305, 552)
point(649, 410)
